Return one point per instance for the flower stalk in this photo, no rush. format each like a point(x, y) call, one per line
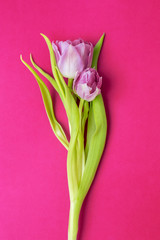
point(73, 220)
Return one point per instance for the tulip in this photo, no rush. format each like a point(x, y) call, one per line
point(72, 57)
point(87, 84)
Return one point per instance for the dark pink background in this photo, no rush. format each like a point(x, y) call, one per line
point(124, 202)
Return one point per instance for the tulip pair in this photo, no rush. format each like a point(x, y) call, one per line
point(87, 121)
point(74, 60)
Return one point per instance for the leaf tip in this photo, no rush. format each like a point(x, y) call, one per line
point(31, 57)
point(102, 37)
point(21, 57)
point(43, 36)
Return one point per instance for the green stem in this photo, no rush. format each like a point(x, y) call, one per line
point(81, 106)
point(75, 208)
point(70, 82)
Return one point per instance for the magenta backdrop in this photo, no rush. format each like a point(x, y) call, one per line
point(124, 202)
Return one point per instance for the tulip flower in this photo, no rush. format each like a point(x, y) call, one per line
point(72, 57)
point(87, 84)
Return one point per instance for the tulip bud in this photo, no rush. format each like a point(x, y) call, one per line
point(72, 57)
point(87, 84)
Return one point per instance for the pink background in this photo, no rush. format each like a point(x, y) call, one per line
point(124, 202)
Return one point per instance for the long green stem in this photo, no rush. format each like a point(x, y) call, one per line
point(75, 208)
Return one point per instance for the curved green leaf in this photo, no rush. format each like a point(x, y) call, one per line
point(96, 52)
point(56, 127)
point(46, 75)
point(73, 115)
point(54, 66)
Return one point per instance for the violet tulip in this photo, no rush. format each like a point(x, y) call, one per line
point(72, 56)
point(87, 84)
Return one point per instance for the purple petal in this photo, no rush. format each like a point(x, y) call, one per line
point(56, 51)
point(70, 62)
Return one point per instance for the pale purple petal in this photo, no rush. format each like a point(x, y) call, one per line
point(70, 62)
point(85, 51)
point(72, 56)
point(62, 46)
point(87, 84)
point(56, 52)
point(92, 96)
point(83, 90)
point(77, 41)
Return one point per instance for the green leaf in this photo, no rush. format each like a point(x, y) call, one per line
point(76, 147)
point(73, 115)
point(56, 127)
point(54, 66)
point(85, 115)
point(96, 135)
point(96, 52)
point(46, 75)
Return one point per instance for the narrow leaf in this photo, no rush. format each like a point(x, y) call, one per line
point(96, 52)
point(46, 75)
point(56, 127)
point(54, 66)
point(74, 119)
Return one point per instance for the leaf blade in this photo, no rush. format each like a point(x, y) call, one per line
point(46, 75)
point(56, 127)
point(96, 52)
